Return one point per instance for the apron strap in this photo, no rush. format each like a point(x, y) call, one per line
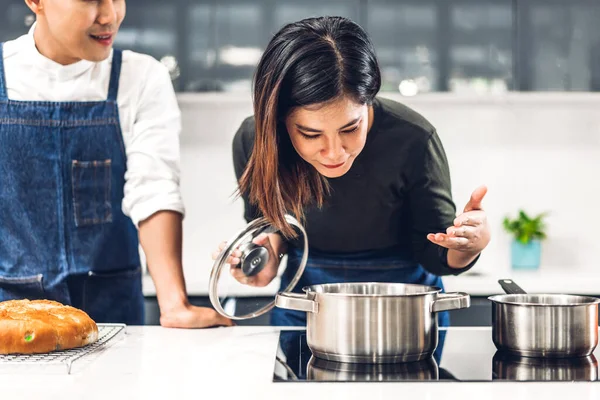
point(3, 91)
point(115, 73)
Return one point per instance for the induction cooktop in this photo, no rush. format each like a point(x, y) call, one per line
point(464, 354)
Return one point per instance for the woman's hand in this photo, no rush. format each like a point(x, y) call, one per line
point(469, 235)
point(274, 244)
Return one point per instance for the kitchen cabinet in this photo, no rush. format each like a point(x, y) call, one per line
point(563, 47)
point(423, 45)
point(15, 19)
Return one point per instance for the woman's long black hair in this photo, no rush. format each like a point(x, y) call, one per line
point(310, 62)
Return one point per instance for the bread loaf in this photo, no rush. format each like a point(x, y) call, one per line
point(43, 326)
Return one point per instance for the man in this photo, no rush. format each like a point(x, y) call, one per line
point(89, 160)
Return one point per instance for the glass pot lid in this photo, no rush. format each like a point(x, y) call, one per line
point(236, 298)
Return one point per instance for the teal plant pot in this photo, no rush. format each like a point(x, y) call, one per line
point(526, 256)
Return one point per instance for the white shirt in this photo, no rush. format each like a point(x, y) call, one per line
point(148, 111)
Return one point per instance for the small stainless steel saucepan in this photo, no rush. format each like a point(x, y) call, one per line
point(544, 325)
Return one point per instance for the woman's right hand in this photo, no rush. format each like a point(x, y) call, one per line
point(274, 245)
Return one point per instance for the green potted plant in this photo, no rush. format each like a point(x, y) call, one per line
point(528, 233)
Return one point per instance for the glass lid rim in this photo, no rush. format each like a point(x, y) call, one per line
point(219, 264)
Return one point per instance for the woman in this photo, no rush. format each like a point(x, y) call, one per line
point(368, 177)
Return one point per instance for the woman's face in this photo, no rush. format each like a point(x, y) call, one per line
point(331, 136)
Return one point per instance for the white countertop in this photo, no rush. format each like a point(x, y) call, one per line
point(547, 280)
point(238, 363)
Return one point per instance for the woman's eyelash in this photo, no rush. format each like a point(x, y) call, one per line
point(309, 136)
point(351, 130)
point(316, 136)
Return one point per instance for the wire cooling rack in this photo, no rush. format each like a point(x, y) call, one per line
point(61, 361)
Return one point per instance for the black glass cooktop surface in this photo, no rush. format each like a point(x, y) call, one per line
point(463, 355)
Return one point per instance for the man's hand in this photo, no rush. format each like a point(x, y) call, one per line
point(189, 316)
point(161, 239)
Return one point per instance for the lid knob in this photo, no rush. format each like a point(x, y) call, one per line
point(253, 259)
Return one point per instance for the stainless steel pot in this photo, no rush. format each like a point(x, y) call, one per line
point(544, 325)
point(325, 370)
point(516, 368)
point(372, 322)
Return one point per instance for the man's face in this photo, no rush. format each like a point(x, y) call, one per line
point(73, 30)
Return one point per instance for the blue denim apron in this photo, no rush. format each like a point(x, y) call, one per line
point(371, 266)
point(63, 235)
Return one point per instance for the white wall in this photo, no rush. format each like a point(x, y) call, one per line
point(536, 151)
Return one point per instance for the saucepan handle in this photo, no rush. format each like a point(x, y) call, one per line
point(450, 301)
point(510, 287)
point(297, 301)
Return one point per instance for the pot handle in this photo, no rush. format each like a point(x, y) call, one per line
point(297, 302)
point(450, 301)
point(510, 287)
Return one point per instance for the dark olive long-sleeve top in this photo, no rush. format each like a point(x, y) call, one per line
point(397, 191)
